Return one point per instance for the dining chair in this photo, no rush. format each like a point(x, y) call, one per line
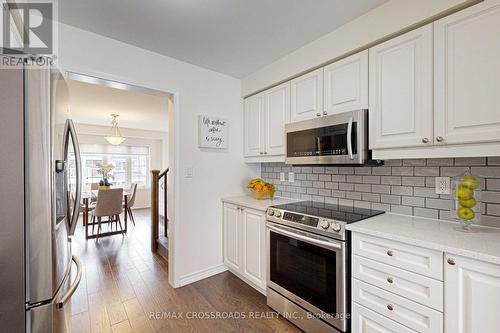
point(131, 201)
point(109, 204)
point(93, 187)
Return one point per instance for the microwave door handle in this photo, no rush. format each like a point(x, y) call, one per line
point(349, 138)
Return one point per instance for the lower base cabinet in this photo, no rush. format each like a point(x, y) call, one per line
point(389, 298)
point(472, 296)
point(244, 244)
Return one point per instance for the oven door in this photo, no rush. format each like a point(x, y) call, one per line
point(335, 139)
point(309, 270)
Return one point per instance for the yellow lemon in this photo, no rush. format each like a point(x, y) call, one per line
point(464, 193)
point(469, 203)
point(465, 213)
point(469, 182)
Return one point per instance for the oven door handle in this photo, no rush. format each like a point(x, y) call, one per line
point(305, 238)
point(349, 138)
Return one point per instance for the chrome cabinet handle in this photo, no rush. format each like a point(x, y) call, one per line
point(390, 307)
point(262, 153)
point(265, 153)
point(451, 261)
point(390, 280)
point(318, 114)
point(349, 138)
point(325, 113)
point(390, 253)
point(439, 139)
point(425, 140)
point(74, 285)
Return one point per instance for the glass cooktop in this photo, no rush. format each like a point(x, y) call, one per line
point(345, 214)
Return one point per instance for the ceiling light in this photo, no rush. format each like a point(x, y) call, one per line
point(115, 138)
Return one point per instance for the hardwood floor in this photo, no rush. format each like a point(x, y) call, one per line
point(125, 288)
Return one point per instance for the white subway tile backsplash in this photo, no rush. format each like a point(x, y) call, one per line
point(401, 186)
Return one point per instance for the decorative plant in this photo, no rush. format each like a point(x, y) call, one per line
point(104, 169)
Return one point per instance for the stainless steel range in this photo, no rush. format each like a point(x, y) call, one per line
point(308, 263)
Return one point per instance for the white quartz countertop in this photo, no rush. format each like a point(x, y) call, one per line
point(250, 202)
point(482, 244)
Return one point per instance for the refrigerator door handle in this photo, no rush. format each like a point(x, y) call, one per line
point(74, 285)
point(69, 130)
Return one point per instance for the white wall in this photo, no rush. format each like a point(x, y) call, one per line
point(156, 141)
point(197, 208)
point(377, 24)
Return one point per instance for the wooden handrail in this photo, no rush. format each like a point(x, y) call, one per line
point(155, 207)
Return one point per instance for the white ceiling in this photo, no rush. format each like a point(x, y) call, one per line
point(93, 104)
point(235, 37)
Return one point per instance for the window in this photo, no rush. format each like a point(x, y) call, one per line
point(131, 164)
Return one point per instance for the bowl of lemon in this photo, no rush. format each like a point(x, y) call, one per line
point(467, 199)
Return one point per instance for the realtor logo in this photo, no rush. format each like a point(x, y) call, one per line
point(27, 27)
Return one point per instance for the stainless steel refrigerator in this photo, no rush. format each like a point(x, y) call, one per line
point(40, 194)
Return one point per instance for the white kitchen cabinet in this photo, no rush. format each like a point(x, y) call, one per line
point(368, 321)
point(277, 113)
point(253, 126)
point(467, 75)
point(472, 295)
point(307, 96)
point(401, 91)
point(346, 84)
point(244, 244)
point(232, 239)
point(253, 234)
point(264, 124)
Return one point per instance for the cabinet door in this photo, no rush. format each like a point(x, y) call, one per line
point(401, 89)
point(307, 96)
point(346, 84)
point(232, 237)
point(472, 296)
point(253, 124)
point(254, 268)
point(467, 75)
point(277, 106)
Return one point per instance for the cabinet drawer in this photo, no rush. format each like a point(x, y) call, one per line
point(413, 286)
point(368, 321)
point(411, 314)
point(409, 257)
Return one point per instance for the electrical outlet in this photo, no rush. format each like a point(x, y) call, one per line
point(282, 176)
point(291, 177)
point(189, 172)
point(443, 185)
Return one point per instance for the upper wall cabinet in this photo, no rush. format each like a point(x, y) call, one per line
point(277, 106)
point(467, 75)
point(264, 124)
point(401, 89)
point(253, 126)
point(307, 96)
point(346, 84)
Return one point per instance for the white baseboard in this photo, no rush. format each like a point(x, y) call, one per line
point(200, 275)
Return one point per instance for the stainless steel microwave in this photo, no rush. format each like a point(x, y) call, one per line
point(336, 139)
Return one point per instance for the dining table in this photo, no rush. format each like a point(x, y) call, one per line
point(87, 196)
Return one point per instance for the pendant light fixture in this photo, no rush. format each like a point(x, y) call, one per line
point(115, 138)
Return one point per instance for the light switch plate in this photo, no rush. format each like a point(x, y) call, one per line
point(443, 185)
point(291, 177)
point(189, 172)
point(282, 176)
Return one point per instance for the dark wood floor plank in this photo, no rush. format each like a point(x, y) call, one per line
point(125, 289)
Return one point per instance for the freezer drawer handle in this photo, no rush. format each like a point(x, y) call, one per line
point(74, 285)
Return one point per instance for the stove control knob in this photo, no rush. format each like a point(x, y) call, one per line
point(270, 212)
point(277, 213)
point(324, 224)
point(336, 226)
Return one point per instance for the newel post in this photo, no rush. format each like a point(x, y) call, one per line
point(154, 209)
